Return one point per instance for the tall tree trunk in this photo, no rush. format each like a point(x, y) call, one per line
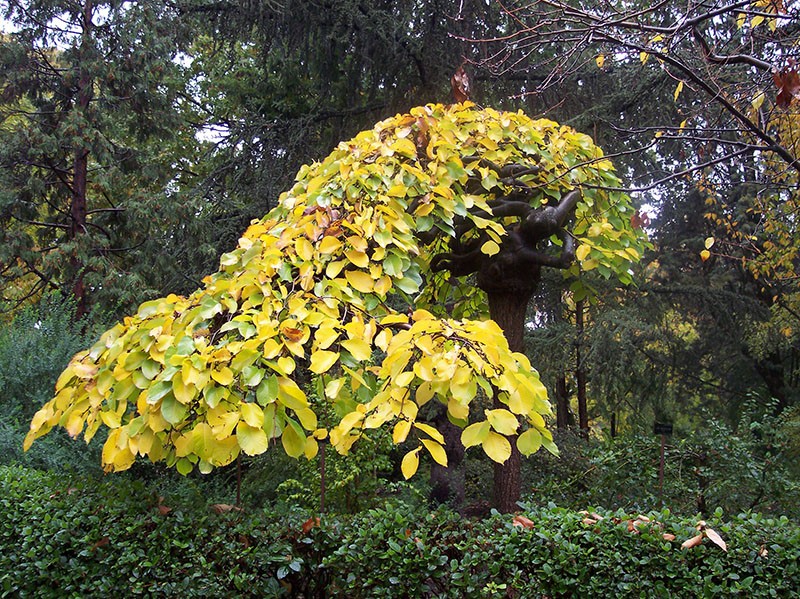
point(580, 373)
point(80, 169)
point(508, 310)
point(563, 417)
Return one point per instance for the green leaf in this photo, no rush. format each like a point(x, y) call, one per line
point(172, 410)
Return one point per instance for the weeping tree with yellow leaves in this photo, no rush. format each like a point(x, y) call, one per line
point(394, 274)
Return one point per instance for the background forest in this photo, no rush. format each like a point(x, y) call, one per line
point(138, 140)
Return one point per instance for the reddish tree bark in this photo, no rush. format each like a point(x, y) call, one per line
point(80, 170)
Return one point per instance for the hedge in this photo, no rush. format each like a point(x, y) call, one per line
point(84, 538)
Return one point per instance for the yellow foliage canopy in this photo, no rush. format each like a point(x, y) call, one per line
point(196, 380)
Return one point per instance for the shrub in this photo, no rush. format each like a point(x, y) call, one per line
point(87, 538)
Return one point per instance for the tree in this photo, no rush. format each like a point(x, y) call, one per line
point(93, 150)
point(348, 292)
point(731, 66)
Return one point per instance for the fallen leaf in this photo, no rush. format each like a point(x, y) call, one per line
point(101, 543)
point(309, 524)
point(222, 508)
point(716, 539)
point(693, 542)
point(522, 521)
point(668, 536)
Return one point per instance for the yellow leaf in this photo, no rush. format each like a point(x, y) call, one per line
point(304, 249)
point(383, 285)
point(252, 414)
point(307, 418)
point(600, 60)
point(705, 255)
point(708, 243)
point(329, 245)
point(490, 248)
point(582, 251)
point(496, 447)
point(643, 56)
point(252, 440)
point(410, 463)
point(678, 90)
point(293, 443)
point(503, 421)
point(358, 258)
point(360, 281)
point(400, 432)
point(756, 21)
point(475, 434)
point(358, 348)
point(311, 448)
point(290, 395)
point(322, 360)
point(430, 431)
point(529, 442)
point(758, 100)
point(397, 191)
point(437, 451)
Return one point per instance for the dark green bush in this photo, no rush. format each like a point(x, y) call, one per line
point(115, 537)
point(34, 349)
point(747, 469)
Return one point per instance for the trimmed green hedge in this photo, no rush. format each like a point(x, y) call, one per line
point(114, 537)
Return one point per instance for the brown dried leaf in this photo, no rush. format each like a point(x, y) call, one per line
point(101, 543)
point(163, 509)
point(460, 84)
point(788, 83)
point(693, 542)
point(293, 334)
point(668, 536)
point(223, 508)
point(716, 539)
point(762, 551)
point(309, 524)
point(522, 521)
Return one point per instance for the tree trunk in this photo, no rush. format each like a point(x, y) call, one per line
point(80, 170)
point(448, 483)
point(508, 310)
point(563, 417)
point(580, 374)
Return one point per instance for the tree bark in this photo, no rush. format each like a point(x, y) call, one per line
point(563, 417)
point(580, 374)
point(80, 170)
point(508, 310)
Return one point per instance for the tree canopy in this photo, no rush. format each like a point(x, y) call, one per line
point(331, 298)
